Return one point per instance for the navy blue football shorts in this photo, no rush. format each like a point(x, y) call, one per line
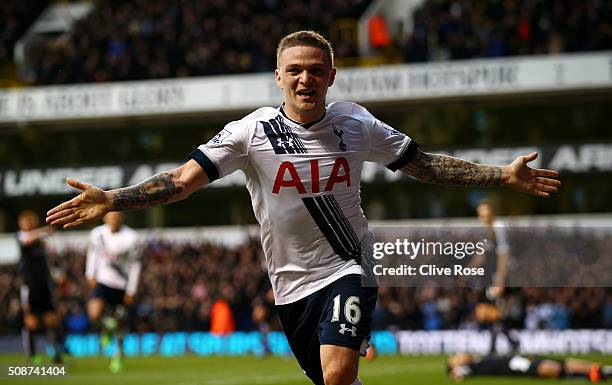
point(110, 295)
point(339, 314)
point(38, 297)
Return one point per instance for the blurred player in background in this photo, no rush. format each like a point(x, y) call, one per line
point(263, 311)
point(36, 292)
point(112, 272)
point(489, 312)
point(464, 365)
point(303, 163)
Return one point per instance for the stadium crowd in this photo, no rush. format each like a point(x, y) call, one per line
point(182, 284)
point(15, 18)
point(449, 30)
point(138, 39)
point(145, 39)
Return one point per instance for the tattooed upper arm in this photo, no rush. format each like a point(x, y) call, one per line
point(446, 170)
point(158, 189)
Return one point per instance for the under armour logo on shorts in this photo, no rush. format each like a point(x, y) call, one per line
point(352, 329)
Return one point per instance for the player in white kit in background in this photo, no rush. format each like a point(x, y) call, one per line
point(112, 272)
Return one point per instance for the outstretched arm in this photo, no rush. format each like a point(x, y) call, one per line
point(29, 237)
point(447, 170)
point(93, 203)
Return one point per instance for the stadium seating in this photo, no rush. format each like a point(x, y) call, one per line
point(448, 30)
point(162, 39)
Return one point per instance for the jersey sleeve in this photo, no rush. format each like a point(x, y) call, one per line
point(389, 146)
point(225, 153)
point(22, 237)
point(501, 238)
point(91, 259)
point(134, 264)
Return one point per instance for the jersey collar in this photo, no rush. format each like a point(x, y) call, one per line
point(303, 125)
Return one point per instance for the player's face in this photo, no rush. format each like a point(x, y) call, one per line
point(304, 75)
point(485, 214)
point(28, 223)
point(114, 220)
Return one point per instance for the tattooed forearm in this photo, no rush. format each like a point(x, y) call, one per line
point(446, 170)
point(156, 190)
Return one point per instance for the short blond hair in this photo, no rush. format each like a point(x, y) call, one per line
point(305, 39)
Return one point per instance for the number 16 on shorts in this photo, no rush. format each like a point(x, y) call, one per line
point(352, 314)
point(348, 312)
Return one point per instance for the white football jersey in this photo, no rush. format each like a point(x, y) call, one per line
point(304, 181)
point(114, 259)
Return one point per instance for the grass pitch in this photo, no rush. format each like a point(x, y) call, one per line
point(193, 370)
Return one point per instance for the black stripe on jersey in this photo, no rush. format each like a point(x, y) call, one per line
point(283, 140)
point(408, 154)
point(118, 270)
point(290, 135)
point(112, 264)
point(340, 240)
point(280, 138)
point(342, 220)
point(324, 226)
point(209, 167)
point(341, 226)
point(298, 142)
point(272, 137)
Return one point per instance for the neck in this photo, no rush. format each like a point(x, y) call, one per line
point(301, 117)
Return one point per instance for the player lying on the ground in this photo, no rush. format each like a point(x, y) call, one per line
point(303, 164)
point(464, 365)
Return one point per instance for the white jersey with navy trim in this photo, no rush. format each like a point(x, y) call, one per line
point(304, 182)
point(114, 259)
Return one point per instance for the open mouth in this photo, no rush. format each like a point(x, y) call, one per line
point(306, 93)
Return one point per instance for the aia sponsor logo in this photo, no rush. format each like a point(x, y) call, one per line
point(287, 176)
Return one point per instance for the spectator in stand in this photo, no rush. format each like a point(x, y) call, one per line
point(221, 315)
